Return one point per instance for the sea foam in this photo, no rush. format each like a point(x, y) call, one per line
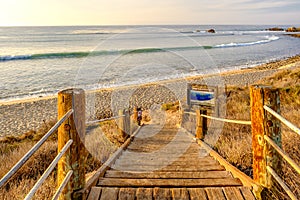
point(233, 44)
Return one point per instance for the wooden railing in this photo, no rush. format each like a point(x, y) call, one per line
point(266, 130)
point(71, 157)
point(266, 141)
point(266, 135)
point(29, 154)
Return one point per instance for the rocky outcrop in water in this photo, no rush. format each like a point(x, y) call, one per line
point(211, 31)
point(293, 29)
point(275, 29)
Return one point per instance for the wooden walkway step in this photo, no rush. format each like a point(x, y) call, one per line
point(207, 182)
point(157, 193)
point(167, 165)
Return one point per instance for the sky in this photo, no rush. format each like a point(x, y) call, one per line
point(147, 12)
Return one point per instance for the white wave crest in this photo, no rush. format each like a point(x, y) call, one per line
point(14, 57)
point(233, 44)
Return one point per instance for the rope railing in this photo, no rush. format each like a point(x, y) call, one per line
point(228, 120)
point(201, 122)
point(282, 119)
point(191, 113)
point(102, 120)
point(28, 155)
point(266, 136)
point(48, 170)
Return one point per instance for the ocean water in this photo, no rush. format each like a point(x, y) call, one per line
point(40, 61)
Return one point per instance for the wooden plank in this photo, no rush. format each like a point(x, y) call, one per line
point(158, 149)
point(215, 194)
point(170, 168)
point(246, 180)
point(163, 158)
point(166, 164)
point(233, 193)
point(92, 181)
point(161, 155)
point(112, 182)
point(204, 161)
point(163, 141)
point(156, 139)
point(180, 194)
point(161, 194)
point(127, 193)
point(197, 194)
point(206, 174)
point(94, 193)
point(144, 194)
point(247, 194)
point(164, 154)
point(109, 193)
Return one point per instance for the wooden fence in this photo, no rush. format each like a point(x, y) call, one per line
point(70, 160)
point(266, 136)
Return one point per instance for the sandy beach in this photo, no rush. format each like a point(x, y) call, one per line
point(18, 117)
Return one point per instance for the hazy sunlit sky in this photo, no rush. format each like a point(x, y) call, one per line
point(131, 12)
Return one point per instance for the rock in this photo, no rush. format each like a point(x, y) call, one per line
point(293, 29)
point(211, 31)
point(275, 29)
point(294, 35)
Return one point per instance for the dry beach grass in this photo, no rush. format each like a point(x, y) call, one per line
point(234, 143)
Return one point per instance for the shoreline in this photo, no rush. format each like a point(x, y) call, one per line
point(286, 62)
point(22, 115)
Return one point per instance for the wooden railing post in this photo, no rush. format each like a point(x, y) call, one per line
point(201, 124)
point(73, 128)
point(263, 124)
point(122, 122)
point(135, 114)
point(188, 98)
point(127, 122)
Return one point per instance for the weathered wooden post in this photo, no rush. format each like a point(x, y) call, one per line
point(127, 122)
point(122, 123)
point(188, 96)
point(73, 128)
point(201, 124)
point(135, 114)
point(263, 123)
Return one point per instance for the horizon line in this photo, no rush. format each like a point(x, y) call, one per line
point(191, 24)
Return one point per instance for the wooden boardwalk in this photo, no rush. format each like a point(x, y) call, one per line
point(166, 163)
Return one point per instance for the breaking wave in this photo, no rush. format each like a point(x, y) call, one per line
point(128, 51)
point(233, 44)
